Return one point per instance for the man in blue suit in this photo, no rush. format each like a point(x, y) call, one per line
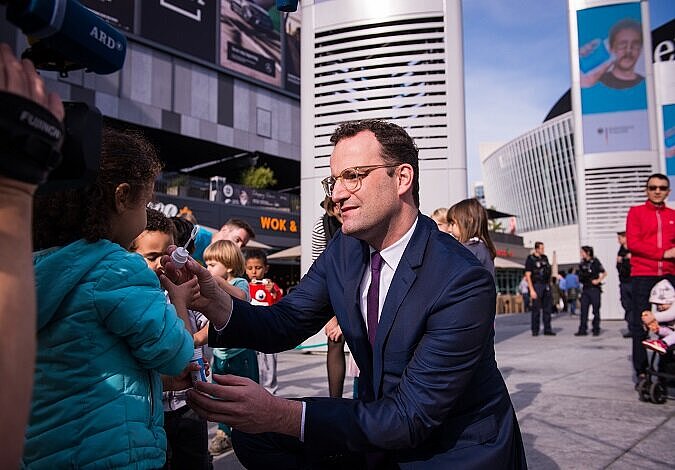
point(417, 311)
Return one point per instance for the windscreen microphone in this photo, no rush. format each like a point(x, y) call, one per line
point(65, 36)
point(287, 5)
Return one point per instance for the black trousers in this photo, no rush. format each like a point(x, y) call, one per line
point(626, 292)
point(187, 440)
point(642, 286)
point(590, 296)
point(280, 452)
point(541, 306)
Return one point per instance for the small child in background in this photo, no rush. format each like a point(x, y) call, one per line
point(661, 318)
point(440, 216)
point(263, 292)
point(468, 223)
point(186, 432)
point(224, 260)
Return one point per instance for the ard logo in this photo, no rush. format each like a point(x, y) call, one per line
point(104, 39)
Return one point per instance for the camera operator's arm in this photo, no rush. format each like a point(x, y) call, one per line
point(17, 284)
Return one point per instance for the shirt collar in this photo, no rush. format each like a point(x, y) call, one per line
point(653, 206)
point(392, 254)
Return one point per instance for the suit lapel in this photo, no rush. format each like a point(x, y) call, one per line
point(354, 265)
point(403, 279)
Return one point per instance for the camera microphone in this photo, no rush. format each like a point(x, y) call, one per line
point(65, 36)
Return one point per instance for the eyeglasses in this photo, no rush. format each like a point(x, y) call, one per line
point(660, 188)
point(351, 178)
point(622, 46)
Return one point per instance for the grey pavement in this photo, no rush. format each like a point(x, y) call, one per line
point(574, 397)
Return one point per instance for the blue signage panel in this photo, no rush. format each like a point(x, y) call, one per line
point(612, 69)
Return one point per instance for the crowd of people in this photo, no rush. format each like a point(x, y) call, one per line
point(123, 317)
point(121, 324)
point(645, 264)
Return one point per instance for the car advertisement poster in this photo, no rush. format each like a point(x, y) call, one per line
point(612, 70)
point(260, 42)
point(249, 37)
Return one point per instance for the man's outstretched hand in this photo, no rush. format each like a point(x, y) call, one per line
point(211, 300)
point(245, 405)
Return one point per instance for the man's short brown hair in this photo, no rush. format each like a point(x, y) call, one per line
point(397, 145)
point(242, 224)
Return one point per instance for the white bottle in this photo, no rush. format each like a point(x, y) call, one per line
point(181, 254)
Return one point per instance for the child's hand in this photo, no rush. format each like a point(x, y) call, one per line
point(182, 295)
point(333, 330)
point(183, 380)
point(653, 326)
point(648, 317)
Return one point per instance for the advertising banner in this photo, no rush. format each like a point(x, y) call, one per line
point(238, 195)
point(250, 37)
point(275, 228)
point(185, 25)
point(669, 138)
point(612, 69)
point(119, 13)
point(259, 41)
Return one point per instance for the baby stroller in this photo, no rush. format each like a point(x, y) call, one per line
point(653, 387)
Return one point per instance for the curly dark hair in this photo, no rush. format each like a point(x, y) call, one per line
point(397, 145)
point(255, 253)
point(63, 217)
point(183, 229)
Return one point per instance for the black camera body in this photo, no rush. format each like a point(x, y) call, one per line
point(81, 148)
point(44, 151)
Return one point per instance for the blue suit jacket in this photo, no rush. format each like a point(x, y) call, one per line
point(431, 394)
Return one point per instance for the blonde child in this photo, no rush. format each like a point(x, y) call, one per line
point(105, 331)
point(224, 260)
point(440, 216)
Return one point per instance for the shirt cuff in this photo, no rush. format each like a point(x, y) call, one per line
point(302, 422)
point(218, 330)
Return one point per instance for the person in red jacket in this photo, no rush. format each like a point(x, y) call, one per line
point(650, 235)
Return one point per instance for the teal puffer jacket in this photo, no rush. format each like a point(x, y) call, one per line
point(105, 333)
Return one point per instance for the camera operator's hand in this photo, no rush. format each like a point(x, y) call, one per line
point(20, 78)
point(17, 282)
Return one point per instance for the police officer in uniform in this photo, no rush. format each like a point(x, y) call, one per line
point(591, 275)
point(625, 285)
point(538, 275)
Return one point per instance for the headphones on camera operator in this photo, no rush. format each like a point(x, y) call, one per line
point(64, 36)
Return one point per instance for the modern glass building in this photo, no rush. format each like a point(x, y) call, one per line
point(534, 176)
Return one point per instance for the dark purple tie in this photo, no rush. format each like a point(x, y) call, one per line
point(373, 299)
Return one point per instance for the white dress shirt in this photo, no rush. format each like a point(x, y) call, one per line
point(391, 256)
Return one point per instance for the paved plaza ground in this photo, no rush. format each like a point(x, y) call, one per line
point(574, 397)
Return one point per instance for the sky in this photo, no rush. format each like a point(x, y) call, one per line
point(516, 66)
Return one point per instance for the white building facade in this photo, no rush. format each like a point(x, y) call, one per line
point(395, 60)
